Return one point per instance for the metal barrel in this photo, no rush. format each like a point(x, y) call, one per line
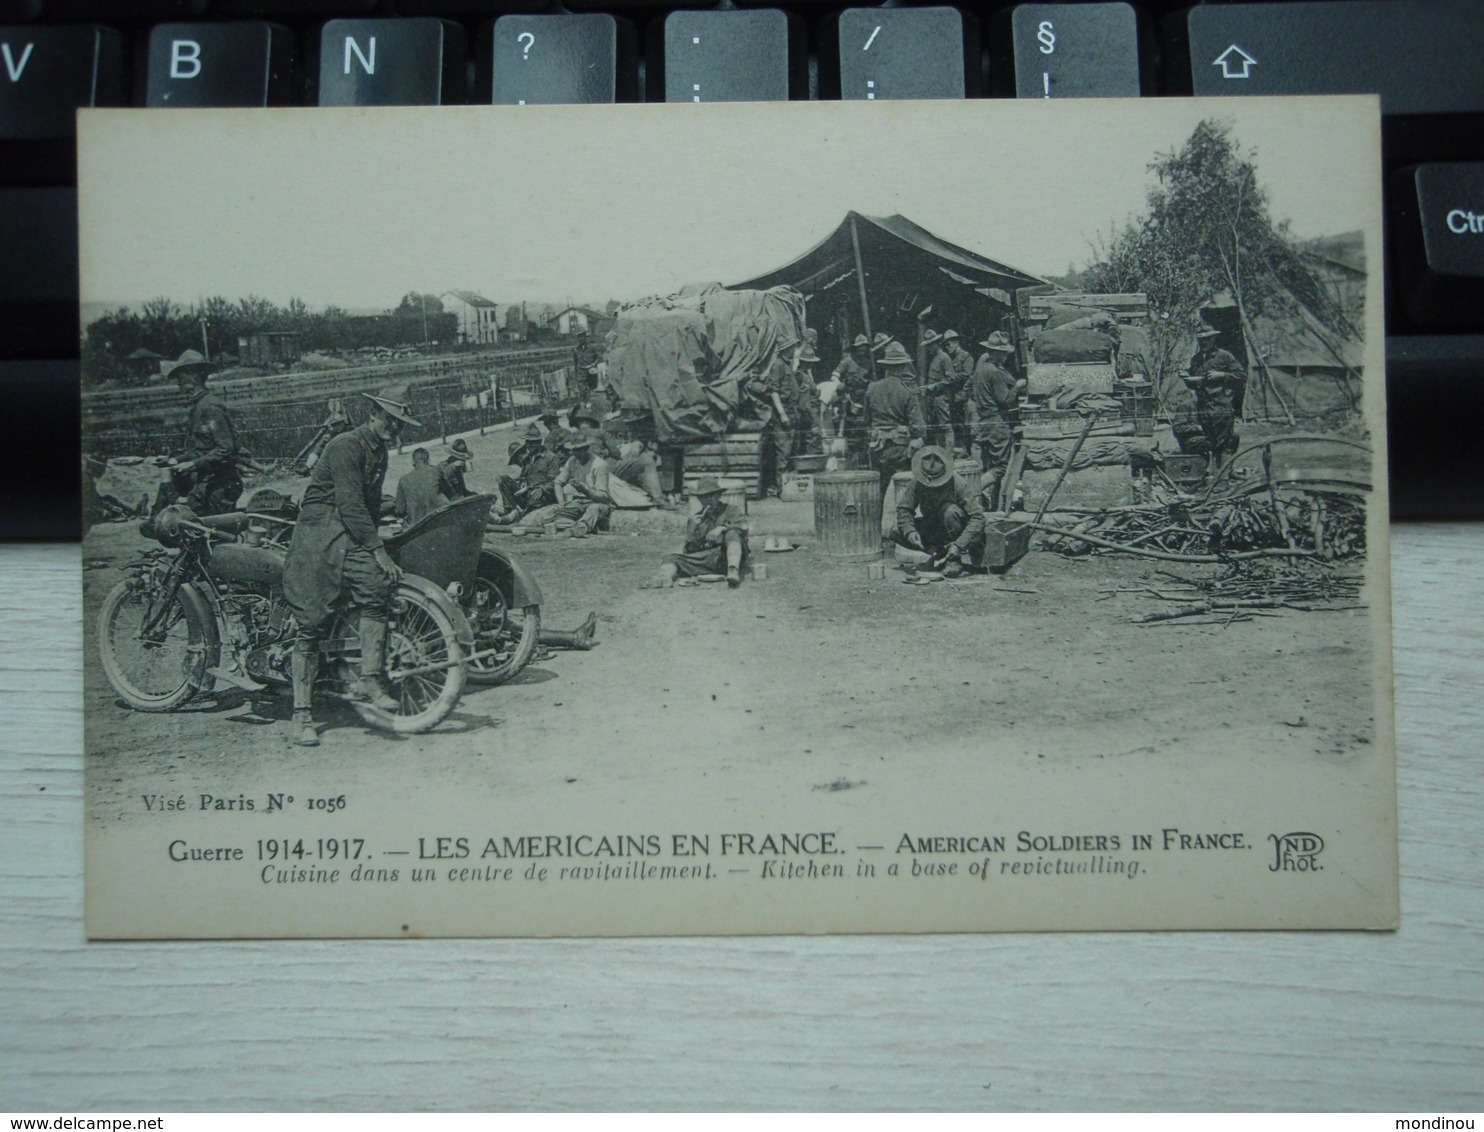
point(847, 515)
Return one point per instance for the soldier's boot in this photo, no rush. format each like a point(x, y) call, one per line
point(371, 688)
point(303, 668)
point(734, 562)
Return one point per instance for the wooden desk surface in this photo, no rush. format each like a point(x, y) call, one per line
point(1138, 1021)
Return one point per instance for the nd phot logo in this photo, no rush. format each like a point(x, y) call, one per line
point(1296, 852)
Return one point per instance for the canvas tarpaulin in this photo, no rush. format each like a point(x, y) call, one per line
point(680, 359)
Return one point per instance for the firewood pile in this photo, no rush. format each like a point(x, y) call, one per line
point(1242, 591)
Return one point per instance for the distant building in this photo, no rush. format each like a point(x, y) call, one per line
point(578, 320)
point(479, 319)
point(269, 347)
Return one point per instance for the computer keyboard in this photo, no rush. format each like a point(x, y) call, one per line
point(1421, 56)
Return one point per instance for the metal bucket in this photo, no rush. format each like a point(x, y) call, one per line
point(847, 515)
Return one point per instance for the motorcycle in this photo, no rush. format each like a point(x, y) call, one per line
point(501, 599)
point(214, 611)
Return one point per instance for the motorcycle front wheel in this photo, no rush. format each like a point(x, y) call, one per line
point(425, 665)
point(156, 647)
point(497, 625)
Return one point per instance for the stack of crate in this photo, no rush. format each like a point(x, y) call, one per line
point(734, 456)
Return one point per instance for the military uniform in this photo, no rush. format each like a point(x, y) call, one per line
point(777, 441)
point(949, 516)
point(853, 378)
point(417, 494)
point(593, 514)
point(993, 408)
point(704, 555)
point(335, 538)
point(1216, 378)
point(451, 479)
point(963, 369)
point(938, 393)
point(894, 419)
point(213, 484)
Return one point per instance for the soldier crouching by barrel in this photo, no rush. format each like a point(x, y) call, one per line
point(939, 512)
point(715, 540)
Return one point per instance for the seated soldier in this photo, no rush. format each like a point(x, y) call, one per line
point(582, 489)
point(715, 540)
point(451, 471)
point(418, 493)
point(534, 487)
point(940, 513)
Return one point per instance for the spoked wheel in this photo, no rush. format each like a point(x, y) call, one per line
point(514, 632)
point(424, 664)
point(156, 646)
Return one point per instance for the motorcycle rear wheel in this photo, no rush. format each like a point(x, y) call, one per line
point(497, 625)
point(161, 669)
point(419, 635)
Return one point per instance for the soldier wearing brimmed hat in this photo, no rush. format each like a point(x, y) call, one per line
point(939, 512)
point(993, 408)
point(768, 394)
point(1216, 378)
point(204, 472)
point(417, 491)
point(535, 486)
point(963, 369)
point(804, 407)
point(451, 471)
point(715, 540)
point(337, 554)
point(939, 390)
point(894, 420)
point(582, 488)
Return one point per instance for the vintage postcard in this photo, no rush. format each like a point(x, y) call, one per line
point(790, 518)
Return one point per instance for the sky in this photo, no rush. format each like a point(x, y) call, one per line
point(358, 207)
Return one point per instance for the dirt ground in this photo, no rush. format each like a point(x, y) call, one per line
point(811, 679)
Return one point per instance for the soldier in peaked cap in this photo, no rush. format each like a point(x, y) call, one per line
point(894, 420)
point(337, 554)
point(993, 406)
point(939, 512)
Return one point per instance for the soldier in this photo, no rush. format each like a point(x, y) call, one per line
point(963, 369)
point(805, 407)
point(534, 487)
point(894, 421)
point(715, 540)
point(337, 554)
point(993, 406)
point(417, 491)
point(766, 392)
point(582, 489)
point(939, 513)
point(937, 391)
point(1216, 379)
point(557, 434)
point(205, 472)
point(451, 471)
point(853, 375)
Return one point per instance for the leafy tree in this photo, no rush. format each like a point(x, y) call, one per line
point(1208, 231)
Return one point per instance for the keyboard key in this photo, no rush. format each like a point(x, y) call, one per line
point(38, 273)
point(417, 61)
point(226, 64)
point(755, 55)
point(1068, 51)
point(879, 53)
point(1438, 230)
point(530, 60)
point(1421, 56)
point(46, 73)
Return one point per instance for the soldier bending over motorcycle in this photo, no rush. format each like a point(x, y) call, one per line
point(337, 555)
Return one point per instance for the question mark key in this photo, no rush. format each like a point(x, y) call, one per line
point(527, 60)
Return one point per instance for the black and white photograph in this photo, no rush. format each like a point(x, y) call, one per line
point(840, 518)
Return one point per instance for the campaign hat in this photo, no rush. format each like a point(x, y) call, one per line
point(931, 337)
point(932, 466)
point(706, 485)
point(394, 400)
point(950, 335)
point(861, 340)
point(998, 341)
point(896, 355)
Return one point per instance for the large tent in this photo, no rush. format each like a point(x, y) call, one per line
point(875, 274)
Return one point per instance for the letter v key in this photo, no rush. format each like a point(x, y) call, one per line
point(12, 68)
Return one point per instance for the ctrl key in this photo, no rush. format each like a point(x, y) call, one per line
point(1439, 214)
